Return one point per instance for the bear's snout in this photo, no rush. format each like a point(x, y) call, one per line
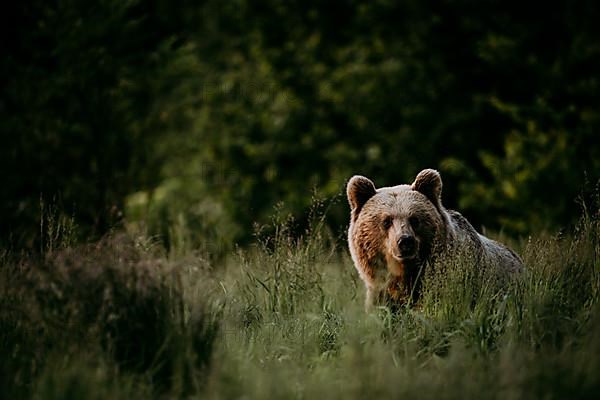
point(407, 245)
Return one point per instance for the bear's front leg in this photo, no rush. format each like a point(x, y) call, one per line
point(389, 292)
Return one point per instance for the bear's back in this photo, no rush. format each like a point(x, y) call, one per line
point(490, 251)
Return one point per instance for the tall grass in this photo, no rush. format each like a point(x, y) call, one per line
point(110, 314)
point(285, 319)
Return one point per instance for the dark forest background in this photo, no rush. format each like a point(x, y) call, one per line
point(208, 117)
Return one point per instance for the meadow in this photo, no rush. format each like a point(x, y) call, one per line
point(122, 318)
point(153, 150)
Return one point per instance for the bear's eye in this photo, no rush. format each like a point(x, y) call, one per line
point(414, 222)
point(387, 222)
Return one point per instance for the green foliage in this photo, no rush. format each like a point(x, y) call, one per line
point(75, 119)
point(285, 109)
point(215, 113)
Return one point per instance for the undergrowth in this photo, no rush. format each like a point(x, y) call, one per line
point(121, 318)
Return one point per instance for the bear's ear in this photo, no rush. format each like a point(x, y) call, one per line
point(429, 182)
point(359, 190)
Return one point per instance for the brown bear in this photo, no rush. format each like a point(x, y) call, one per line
point(396, 231)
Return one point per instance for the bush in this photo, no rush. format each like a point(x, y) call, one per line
point(111, 299)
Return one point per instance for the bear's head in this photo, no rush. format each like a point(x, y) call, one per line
point(395, 228)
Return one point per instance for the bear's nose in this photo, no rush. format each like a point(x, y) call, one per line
point(406, 244)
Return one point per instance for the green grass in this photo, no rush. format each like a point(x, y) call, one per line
point(122, 318)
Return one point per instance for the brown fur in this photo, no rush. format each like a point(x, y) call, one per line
point(381, 218)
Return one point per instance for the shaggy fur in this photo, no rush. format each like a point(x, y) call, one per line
point(395, 231)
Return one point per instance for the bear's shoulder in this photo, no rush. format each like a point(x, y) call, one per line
point(461, 227)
